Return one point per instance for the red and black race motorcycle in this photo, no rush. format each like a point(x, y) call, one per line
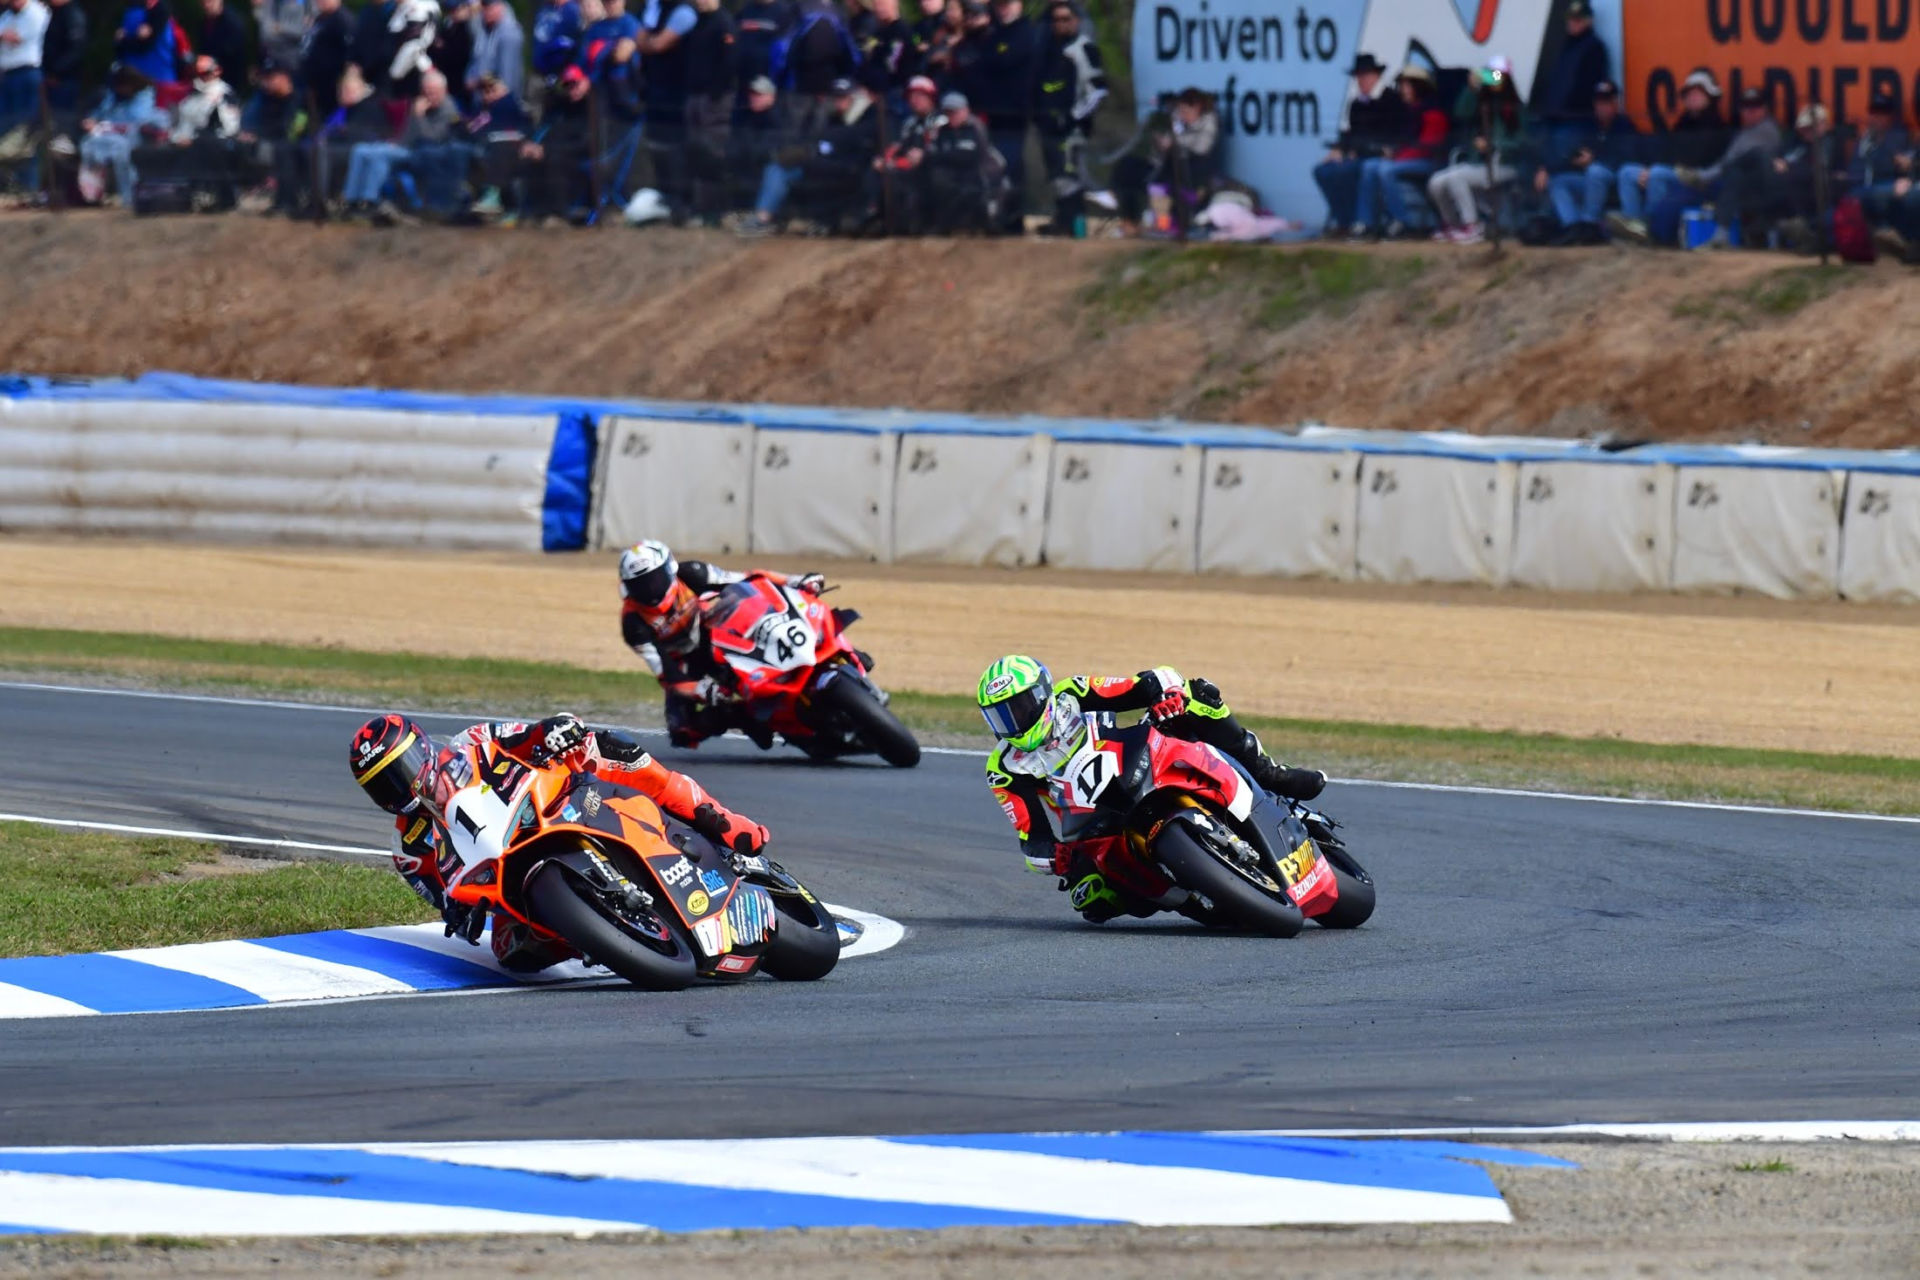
point(1179, 825)
point(797, 675)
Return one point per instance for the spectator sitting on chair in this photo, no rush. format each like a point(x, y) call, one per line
point(900, 169)
point(1419, 154)
point(496, 127)
point(1587, 177)
point(430, 123)
point(757, 133)
point(966, 176)
point(1743, 177)
point(438, 152)
point(125, 111)
point(1491, 105)
point(224, 38)
point(1694, 140)
point(1376, 122)
point(270, 127)
point(360, 117)
point(1138, 161)
point(1879, 160)
point(790, 161)
point(1790, 203)
point(1194, 159)
point(208, 113)
point(558, 157)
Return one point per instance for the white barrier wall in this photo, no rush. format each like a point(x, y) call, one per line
point(1287, 512)
point(823, 493)
point(1124, 506)
point(1880, 539)
point(1774, 530)
point(1593, 526)
point(961, 499)
point(273, 473)
point(1435, 519)
point(688, 483)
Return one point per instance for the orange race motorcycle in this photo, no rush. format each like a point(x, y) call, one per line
point(600, 869)
point(1177, 825)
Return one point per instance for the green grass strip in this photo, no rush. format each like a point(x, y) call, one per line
point(1601, 766)
point(65, 891)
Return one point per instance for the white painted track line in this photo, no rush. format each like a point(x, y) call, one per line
point(1438, 787)
point(1760, 1131)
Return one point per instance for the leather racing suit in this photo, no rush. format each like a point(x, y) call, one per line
point(1188, 709)
point(498, 754)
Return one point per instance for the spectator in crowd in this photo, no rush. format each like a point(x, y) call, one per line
point(210, 111)
point(1000, 87)
point(819, 55)
point(1897, 214)
point(623, 101)
point(438, 153)
point(556, 37)
point(789, 164)
point(412, 29)
point(498, 48)
point(1795, 203)
point(557, 158)
point(884, 44)
point(1490, 105)
point(23, 34)
point(1136, 163)
point(940, 32)
point(1743, 177)
point(125, 113)
point(1880, 159)
point(223, 36)
point(901, 167)
point(1567, 92)
point(760, 26)
point(496, 127)
point(1068, 90)
point(1695, 139)
point(966, 174)
point(666, 26)
point(323, 54)
point(370, 50)
point(270, 127)
point(150, 42)
point(63, 56)
point(455, 36)
point(1381, 190)
point(607, 23)
point(360, 117)
point(1195, 155)
point(431, 121)
point(1376, 123)
point(1587, 177)
point(758, 132)
point(712, 84)
point(282, 27)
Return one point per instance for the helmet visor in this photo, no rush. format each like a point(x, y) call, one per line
point(1020, 719)
point(651, 587)
point(390, 784)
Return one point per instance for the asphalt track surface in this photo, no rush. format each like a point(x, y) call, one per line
point(1532, 961)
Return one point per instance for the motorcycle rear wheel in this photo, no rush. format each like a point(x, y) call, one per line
point(567, 907)
point(806, 942)
point(872, 723)
point(1199, 870)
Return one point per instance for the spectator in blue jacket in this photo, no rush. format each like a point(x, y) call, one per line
point(1584, 179)
point(556, 36)
point(113, 130)
point(148, 42)
point(601, 34)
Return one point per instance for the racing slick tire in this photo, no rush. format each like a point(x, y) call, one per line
point(806, 942)
point(872, 723)
point(565, 906)
point(1198, 870)
point(1354, 906)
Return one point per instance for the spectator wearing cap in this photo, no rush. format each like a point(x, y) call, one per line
point(499, 48)
point(23, 35)
point(1568, 91)
point(1070, 86)
point(824, 162)
point(966, 175)
point(1376, 122)
point(1489, 105)
point(1421, 151)
point(557, 157)
point(1694, 140)
point(1880, 158)
point(63, 56)
point(210, 110)
point(1743, 177)
point(758, 131)
point(901, 167)
point(1584, 180)
point(271, 124)
point(496, 127)
point(223, 36)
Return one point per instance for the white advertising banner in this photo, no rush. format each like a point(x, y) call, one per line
point(1771, 530)
point(1425, 518)
point(823, 493)
point(979, 500)
point(1124, 506)
point(1594, 526)
point(1287, 512)
point(688, 483)
point(1880, 538)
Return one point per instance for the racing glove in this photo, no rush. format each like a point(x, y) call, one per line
point(1172, 700)
point(558, 735)
point(812, 583)
point(729, 830)
point(1206, 693)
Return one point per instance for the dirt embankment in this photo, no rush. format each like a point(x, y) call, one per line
point(1674, 346)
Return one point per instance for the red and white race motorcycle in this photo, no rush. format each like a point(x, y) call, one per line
point(796, 674)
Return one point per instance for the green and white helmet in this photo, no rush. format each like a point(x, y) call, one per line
point(1016, 698)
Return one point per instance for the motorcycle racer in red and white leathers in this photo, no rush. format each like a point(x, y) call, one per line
point(408, 774)
point(660, 620)
point(1037, 719)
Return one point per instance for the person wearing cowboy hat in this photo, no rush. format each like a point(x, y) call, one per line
point(1422, 150)
point(1693, 140)
point(1375, 123)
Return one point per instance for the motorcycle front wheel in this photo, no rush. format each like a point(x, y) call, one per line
point(574, 911)
point(1197, 869)
point(806, 942)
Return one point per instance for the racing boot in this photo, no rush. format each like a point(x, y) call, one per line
point(1098, 902)
point(1270, 775)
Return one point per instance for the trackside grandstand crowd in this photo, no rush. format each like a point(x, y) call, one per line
point(848, 116)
